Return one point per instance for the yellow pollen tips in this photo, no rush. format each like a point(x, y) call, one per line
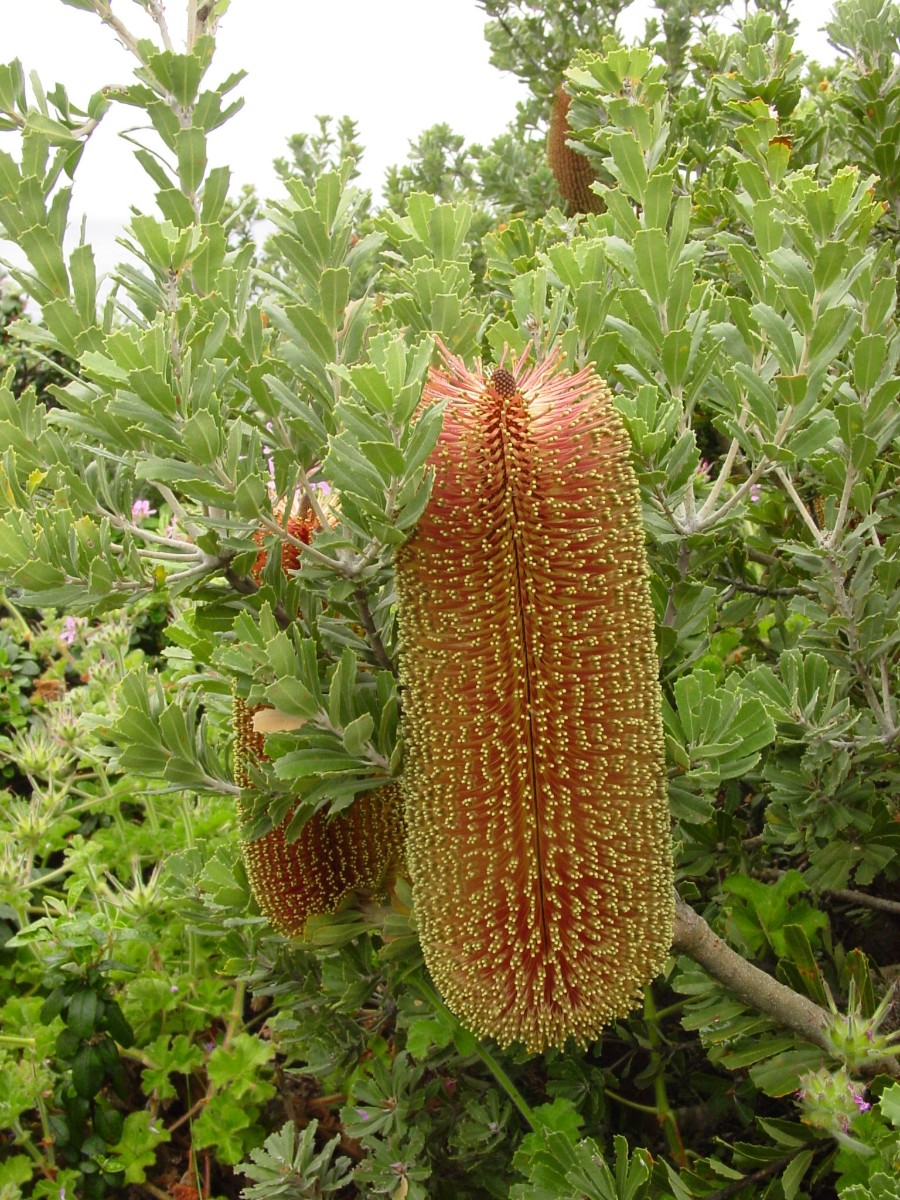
point(333, 859)
point(538, 837)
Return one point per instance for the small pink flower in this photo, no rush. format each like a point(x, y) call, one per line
point(71, 630)
point(755, 492)
point(704, 468)
point(858, 1100)
point(141, 509)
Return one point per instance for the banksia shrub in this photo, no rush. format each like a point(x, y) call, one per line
point(538, 837)
point(572, 171)
point(355, 851)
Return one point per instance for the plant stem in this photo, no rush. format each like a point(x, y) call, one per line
point(649, 1109)
point(664, 1113)
point(867, 901)
point(372, 635)
point(428, 993)
point(694, 938)
point(14, 612)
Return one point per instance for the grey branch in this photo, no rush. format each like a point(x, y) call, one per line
point(694, 938)
point(866, 901)
point(372, 635)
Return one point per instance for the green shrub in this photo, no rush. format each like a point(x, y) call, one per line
point(738, 293)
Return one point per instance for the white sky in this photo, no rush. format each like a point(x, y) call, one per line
point(395, 66)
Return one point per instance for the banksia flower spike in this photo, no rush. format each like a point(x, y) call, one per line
point(300, 528)
point(356, 851)
point(538, 837)
point(572, 171)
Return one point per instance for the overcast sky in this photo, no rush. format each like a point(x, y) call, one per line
point(395, 66)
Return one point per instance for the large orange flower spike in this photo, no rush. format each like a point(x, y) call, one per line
point(535, 801)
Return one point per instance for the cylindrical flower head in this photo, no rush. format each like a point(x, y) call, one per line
point(538, 837)
point(572, 171)
point(355, 851)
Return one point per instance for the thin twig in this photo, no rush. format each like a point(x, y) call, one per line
point(246, 587)
point(818, 536)
point(104, 11)
point(757, 590)
point(190, 1114)
point(373, 636)
point(738, 1185)
point(152, 1190)
point(157, 12)
point(867, 901)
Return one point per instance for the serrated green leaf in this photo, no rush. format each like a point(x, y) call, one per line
point(386, 457)
point(652, 262)
point(357, 734)
point(190, 146)
point(628, 164)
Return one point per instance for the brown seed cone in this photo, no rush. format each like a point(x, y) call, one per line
point(356, 851)
point(538, 837)
point(572, 171)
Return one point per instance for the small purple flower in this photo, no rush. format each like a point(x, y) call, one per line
point(858, 1100)
point(174, 989)
point(71, 630)
point(704, 468)
point(362, 1113)
point(141, 509)
point(755, 492)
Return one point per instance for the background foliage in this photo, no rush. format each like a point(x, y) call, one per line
point(739, 294)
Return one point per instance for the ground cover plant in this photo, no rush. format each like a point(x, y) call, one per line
point(208, 473)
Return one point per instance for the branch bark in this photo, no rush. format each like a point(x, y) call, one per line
point(694, 938)
point(866, 901)
point(374, 637)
